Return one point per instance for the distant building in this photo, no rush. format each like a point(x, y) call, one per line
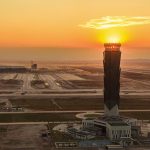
point(8, 69)
point(34, 66)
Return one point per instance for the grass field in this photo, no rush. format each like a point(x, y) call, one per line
point(59, 117)
point(78, 103)
point(38, 117)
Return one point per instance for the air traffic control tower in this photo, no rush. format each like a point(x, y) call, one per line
point(112, 57)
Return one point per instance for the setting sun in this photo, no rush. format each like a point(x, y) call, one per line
point(113, 36)
point(114, 39)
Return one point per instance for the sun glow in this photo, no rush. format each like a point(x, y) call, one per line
point(117, 36)
point(113, 39)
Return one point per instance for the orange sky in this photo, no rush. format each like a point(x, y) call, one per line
point(62, 23)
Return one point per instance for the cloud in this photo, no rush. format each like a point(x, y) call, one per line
point(116, 21)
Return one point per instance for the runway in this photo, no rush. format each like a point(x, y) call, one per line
point(93, 93)
point(73, 111)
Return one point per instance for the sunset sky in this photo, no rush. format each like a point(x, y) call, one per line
point(73, 29)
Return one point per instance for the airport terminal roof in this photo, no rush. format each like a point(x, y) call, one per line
point(118, 123)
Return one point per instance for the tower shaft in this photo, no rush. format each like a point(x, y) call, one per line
point(112, 57)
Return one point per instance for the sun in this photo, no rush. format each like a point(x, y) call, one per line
point(113, 39)
point(113, 36)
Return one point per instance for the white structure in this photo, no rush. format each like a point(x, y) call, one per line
point(114, 111)
point(87, 123)
point(131, 121)
point(118, 129)
point(80, 134)
point(114, 128)
point(114, 147)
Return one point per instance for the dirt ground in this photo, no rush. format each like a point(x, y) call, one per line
point(27, 137)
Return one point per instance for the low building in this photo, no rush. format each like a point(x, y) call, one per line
point(67, 145)
point(114, 147)
point(112, 127)
point(115, 130)
point(87, 123)
point(135, 131)
point(80, 134)
point(130, 121)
